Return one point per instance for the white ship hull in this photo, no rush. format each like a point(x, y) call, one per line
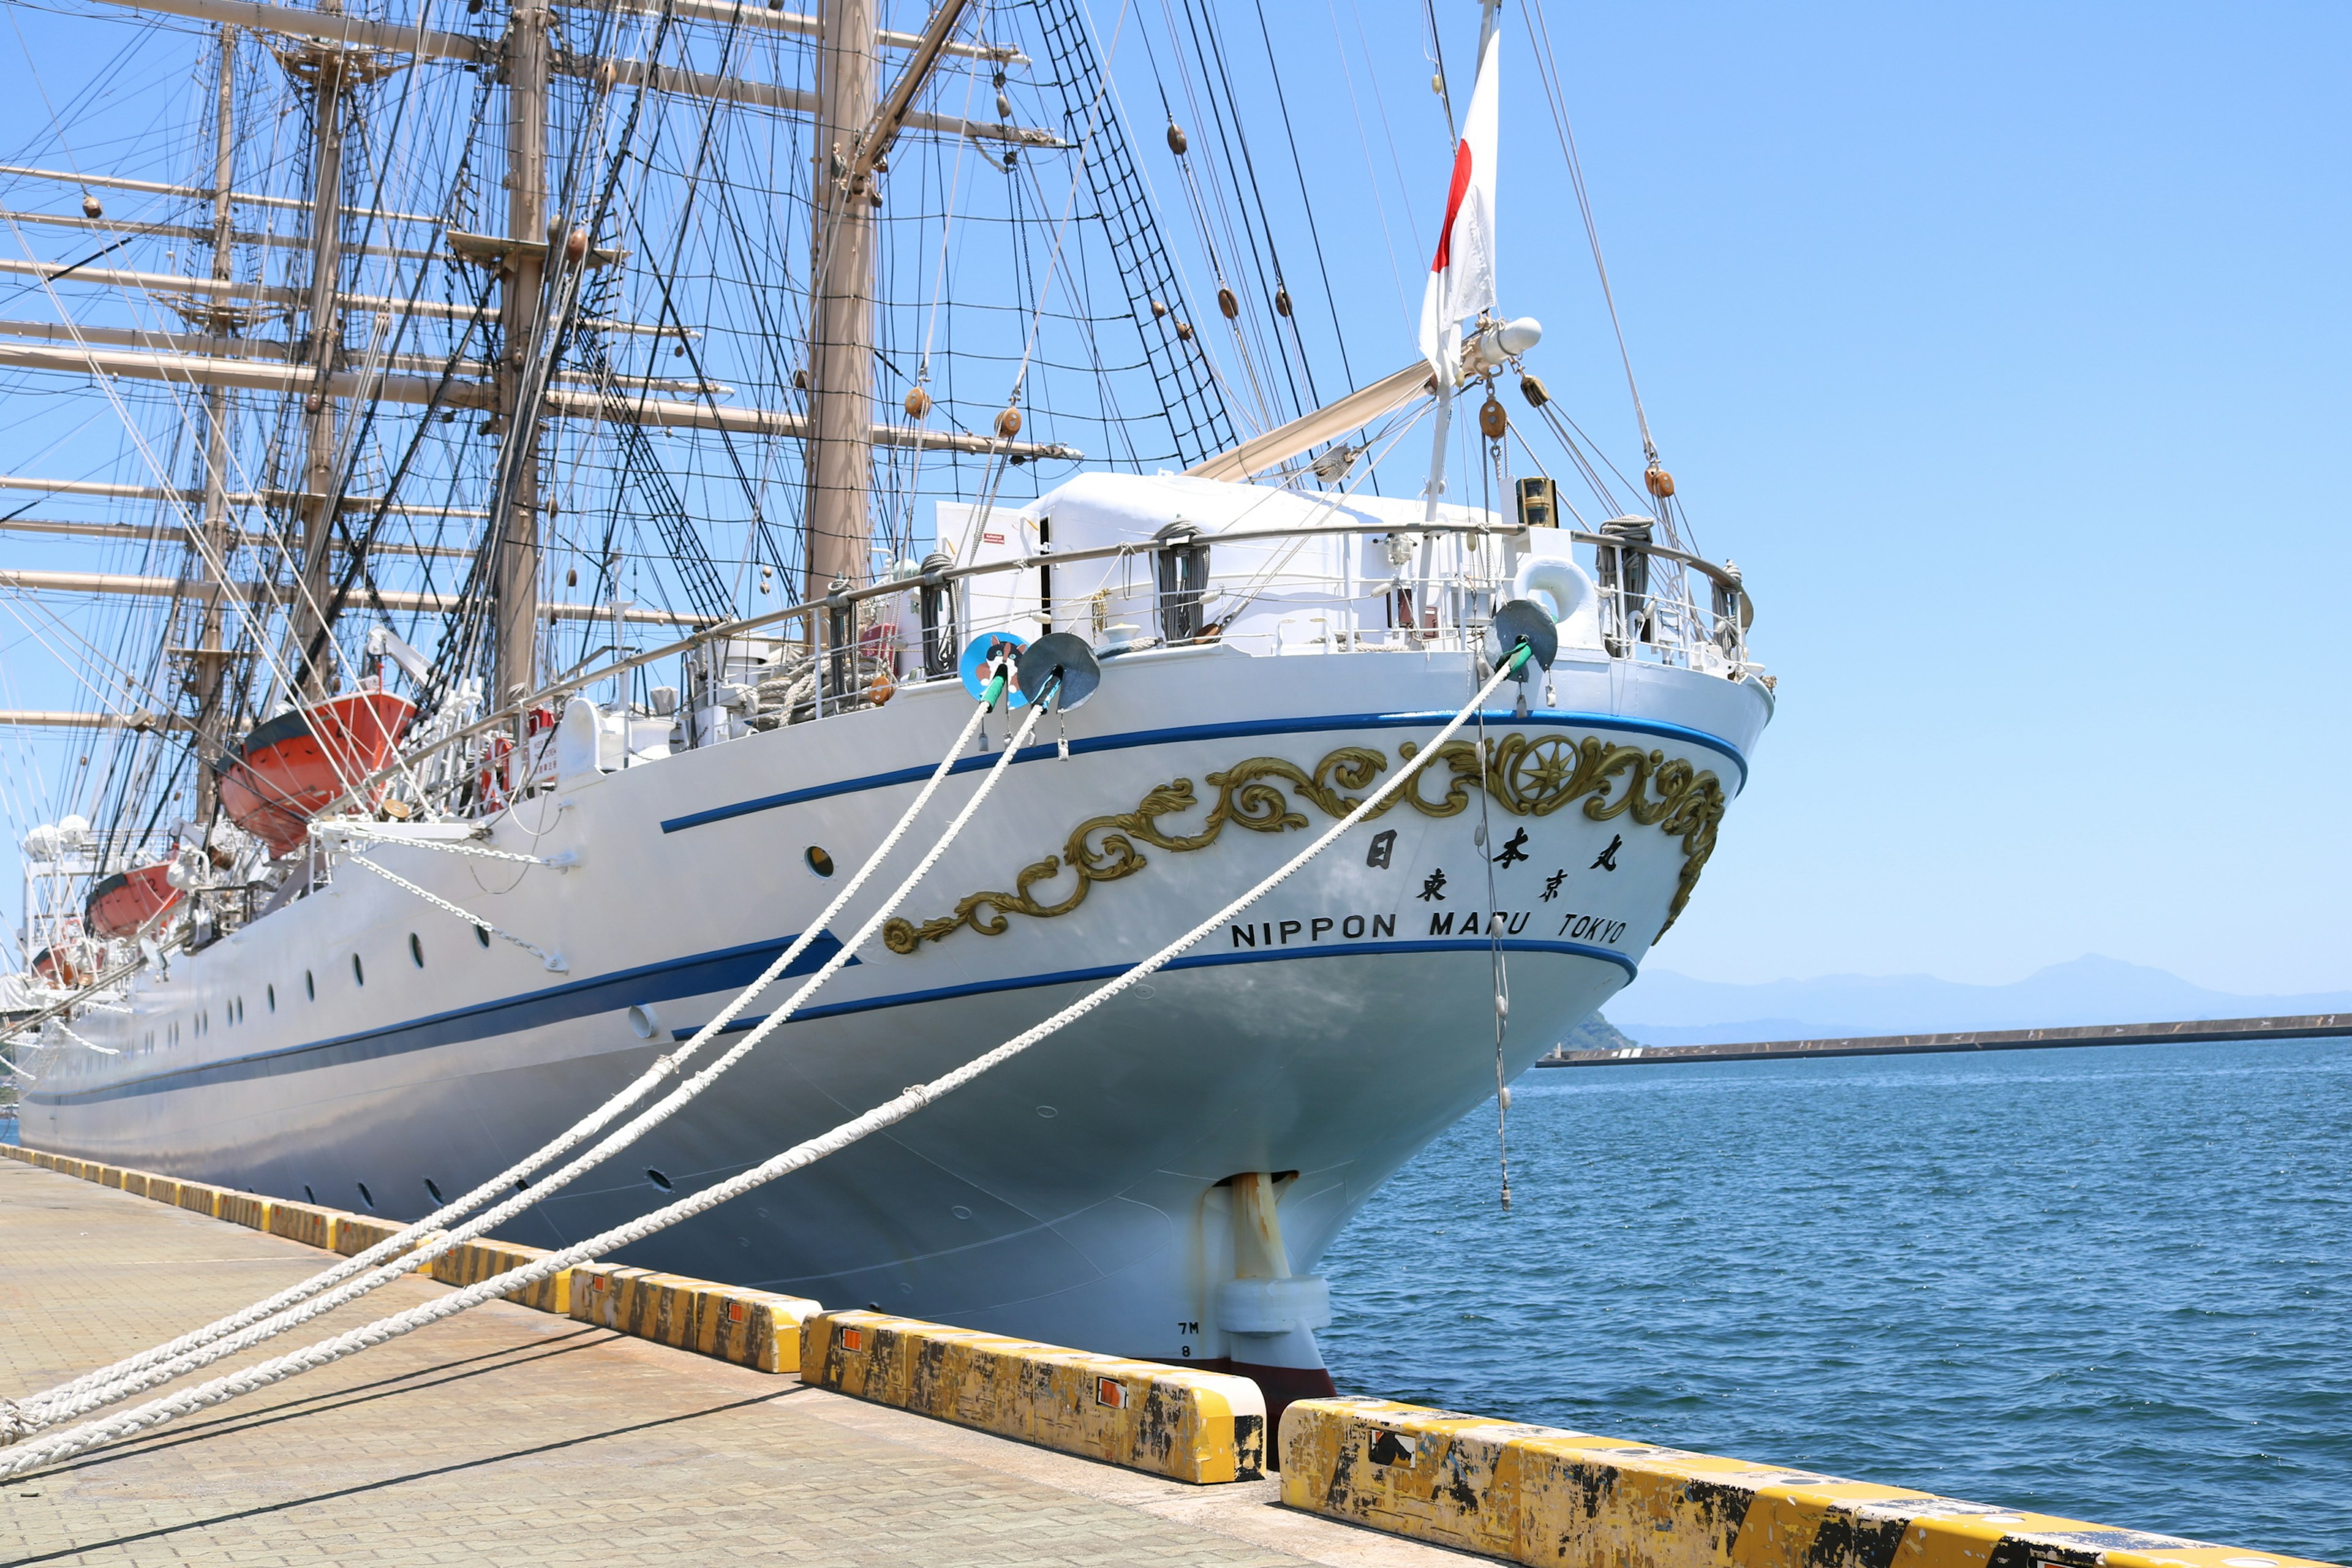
point(1073, 1195)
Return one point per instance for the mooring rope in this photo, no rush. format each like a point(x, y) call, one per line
point(323, 1353)
point(434, 1246)
point(19, 1419)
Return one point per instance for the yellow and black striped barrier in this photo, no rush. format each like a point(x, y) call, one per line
point(756, 1329)
point(1185, 1425)
point(1540, 1496)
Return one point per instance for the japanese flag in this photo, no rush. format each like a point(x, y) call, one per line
point(1462, 279)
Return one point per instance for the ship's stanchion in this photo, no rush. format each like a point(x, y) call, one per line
point(1186, 1425)
point(1538, 1495)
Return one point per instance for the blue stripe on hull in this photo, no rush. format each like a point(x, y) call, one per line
point(698, 975)
point(1134, 738)
point(1205, 961)
point(730, 968)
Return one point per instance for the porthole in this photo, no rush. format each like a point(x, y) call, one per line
point(270, 996)
point(365, 1197)
point(359, 971)
point(435, 1191)
point(482, 935)
point(820, 860)
point(415, 950)
point(658, 1179)
point(309, 986)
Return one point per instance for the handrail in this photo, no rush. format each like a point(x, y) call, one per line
point(491, 723)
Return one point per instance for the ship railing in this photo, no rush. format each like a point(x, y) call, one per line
point(828, 650)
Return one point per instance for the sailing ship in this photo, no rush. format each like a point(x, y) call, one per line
point(570, 460)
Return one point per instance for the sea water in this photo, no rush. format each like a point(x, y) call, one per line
point(2113, 1284)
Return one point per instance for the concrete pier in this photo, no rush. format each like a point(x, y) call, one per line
point(511, 1435)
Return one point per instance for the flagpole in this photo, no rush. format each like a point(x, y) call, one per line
point(1447, 361)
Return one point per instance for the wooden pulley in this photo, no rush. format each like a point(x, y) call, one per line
point(1176, 142)
point(1184, 330)
point(1157, 309)
point(1493, 421)
point(1531, 386)
point(1282, 302)
point(918, 403)
point(90, 207)
point(1008, 423)
point(575, 246)
point(1661, 483)
point(1227, 304)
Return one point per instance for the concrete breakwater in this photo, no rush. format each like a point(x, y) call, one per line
point(570, 1422)
point(2185, 1031)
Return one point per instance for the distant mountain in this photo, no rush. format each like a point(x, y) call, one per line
point(1597, 1034)
point(1662, 1008)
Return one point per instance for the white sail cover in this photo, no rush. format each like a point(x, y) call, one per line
point(1462, 278)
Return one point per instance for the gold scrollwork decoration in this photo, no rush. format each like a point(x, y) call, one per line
point(1526, 776)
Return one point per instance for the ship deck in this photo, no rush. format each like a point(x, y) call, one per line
point(514, 1437)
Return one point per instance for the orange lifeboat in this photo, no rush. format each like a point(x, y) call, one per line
point(128, 902)
point(291, 766)
point(60, 968)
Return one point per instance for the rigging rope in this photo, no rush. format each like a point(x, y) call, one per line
point(37, 1410)
point(326, 1351)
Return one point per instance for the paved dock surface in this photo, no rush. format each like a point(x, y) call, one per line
point(511, 1436)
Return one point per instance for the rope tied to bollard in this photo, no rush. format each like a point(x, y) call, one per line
point(326, 1351)
point(21, 1418)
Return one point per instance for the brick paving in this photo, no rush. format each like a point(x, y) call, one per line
point(512, 1437)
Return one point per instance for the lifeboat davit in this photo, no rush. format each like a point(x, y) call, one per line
point(289, 768)
point(128, 902)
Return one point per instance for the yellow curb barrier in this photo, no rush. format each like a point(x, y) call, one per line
point(247, 1209)
point(1177, 1422)
point(757, 1329)
point(306, 1223)
point(471, 1263)
point(354, 1235)
point(1538, 1495)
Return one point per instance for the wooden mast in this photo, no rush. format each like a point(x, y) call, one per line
point(515, 555)
point(322, 346)
point(210, 653)
point(841, 314)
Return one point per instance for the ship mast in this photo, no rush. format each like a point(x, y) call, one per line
point(841, 314)
point(210, 653)
point(515, 552)
point(310, 663)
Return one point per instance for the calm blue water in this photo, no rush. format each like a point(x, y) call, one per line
point(2111, 1283)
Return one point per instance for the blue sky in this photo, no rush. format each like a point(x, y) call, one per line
point(2003, 347)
